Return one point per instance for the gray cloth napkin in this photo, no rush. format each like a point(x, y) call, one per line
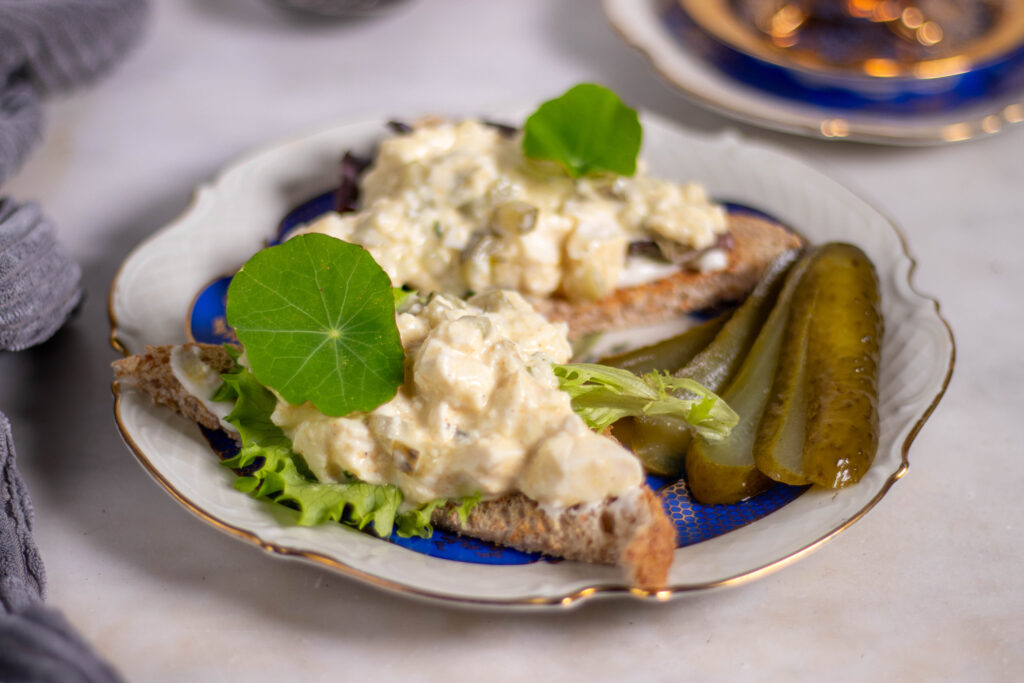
point(36, 642)
point(49, 46)
point(46, 46)
point(38, 280)
point(21, 121)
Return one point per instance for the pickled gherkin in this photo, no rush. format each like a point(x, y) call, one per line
point(724, 471)
point(799, 363)
point(666, 356)
point(671, 354)
point(843, 353)
point(821, 424)
point(779, 443)
point(661, 442)
point(716, 365)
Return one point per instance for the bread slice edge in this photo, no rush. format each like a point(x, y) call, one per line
point(631, 530)
point(757, 241)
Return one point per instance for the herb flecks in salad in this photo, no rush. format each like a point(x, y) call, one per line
point(587, 130)
point(316, 318)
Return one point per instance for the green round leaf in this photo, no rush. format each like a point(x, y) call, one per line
point(316, 316)
point(587, 130)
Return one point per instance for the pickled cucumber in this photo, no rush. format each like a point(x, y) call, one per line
point(715, 366)
point(843, 353)
point(671, 354)
point(821, 423)
point(779, 443)
point(661, 442)
point(724, 471)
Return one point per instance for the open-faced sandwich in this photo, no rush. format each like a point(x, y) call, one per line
point(405, 363)
point(561, 212)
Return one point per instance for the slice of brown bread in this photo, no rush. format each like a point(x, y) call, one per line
point(151, 372)
point(632, 530)
point(757, 241)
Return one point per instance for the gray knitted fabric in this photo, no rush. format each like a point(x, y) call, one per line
point(22, 580)
point(46, 46)
point(38, 280)
point(21, 122)
point(36, 643)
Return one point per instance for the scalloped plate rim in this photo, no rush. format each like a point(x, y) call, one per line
point(578, 590)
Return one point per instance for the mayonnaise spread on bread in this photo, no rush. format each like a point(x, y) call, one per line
point(200, 380)
point(456, 207)
point(480, 412)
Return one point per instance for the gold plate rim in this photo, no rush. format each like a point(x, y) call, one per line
point(714, 17)
point(987, 120)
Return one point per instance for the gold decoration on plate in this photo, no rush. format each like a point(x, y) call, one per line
point(877, 39)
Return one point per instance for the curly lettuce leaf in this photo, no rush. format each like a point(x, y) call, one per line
point(417, 522)
point(466, 506)
point(586, 130)
point(271, 470)
point(602, 395)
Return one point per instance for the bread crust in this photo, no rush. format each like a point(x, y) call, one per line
point(632, 530)
point(757, 241)
point(151, 372)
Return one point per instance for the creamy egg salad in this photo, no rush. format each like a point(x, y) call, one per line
point(480, 413)
point(457, 208)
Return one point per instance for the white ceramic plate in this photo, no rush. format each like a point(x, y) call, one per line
point(236, 214)
point(640, 24)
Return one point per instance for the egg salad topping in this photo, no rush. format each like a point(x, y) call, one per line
point(456, 207)
point(480, 412)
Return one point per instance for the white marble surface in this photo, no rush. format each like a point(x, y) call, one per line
point(928, 586)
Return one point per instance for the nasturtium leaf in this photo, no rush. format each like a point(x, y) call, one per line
point(586, 130)
point(316, 316)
